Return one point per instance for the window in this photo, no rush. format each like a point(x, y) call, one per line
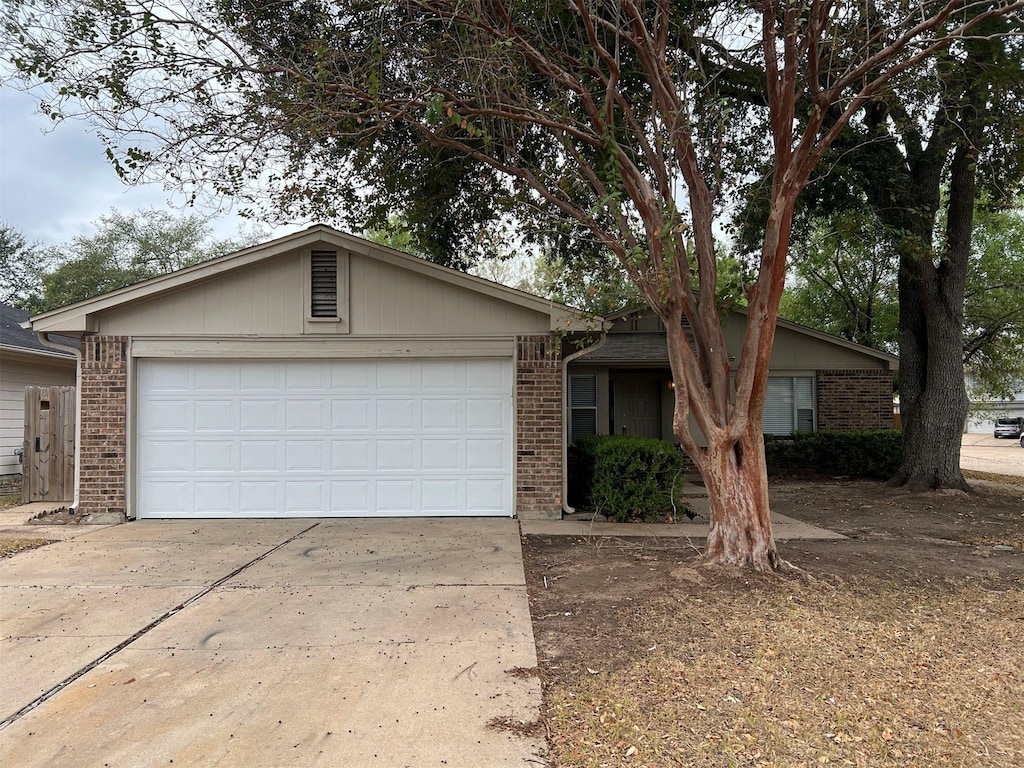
point(323, 286)
point(582, 405)
point(789, 405)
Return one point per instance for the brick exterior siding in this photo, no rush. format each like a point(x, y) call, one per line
point(538, 427)
point(850, 400)
point(104, 421)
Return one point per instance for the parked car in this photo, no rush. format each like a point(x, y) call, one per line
point(1011, 426)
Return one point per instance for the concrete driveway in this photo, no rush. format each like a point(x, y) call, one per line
point(269, 643)
point(984, 453)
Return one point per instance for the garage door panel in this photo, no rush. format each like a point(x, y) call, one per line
point(304, 456)
point(351, 497)
point(442, 497)
point(331, 438)
point(486, 414)
point(215, 497)
point(483, 496)
point(351, 414)
point(398, 376)
point(351, 456)
point(261, 499)
point(209, 379)
point(215, 456)
point(169, 456)
point(260, 377)
point(396, 414)
point(442, 415)
point(163, 415)
point(258, 456)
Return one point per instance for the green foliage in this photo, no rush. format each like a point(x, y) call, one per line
point(127, 248)
point(873, 454)
point(21, 268)
point(994, 306)
point(624, 477)
point(844, 279)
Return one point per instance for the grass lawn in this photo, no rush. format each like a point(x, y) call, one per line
point(907, 648)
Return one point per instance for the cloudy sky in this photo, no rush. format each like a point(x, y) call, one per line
point(55, 181)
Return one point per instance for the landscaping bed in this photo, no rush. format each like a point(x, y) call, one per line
point(906, 648)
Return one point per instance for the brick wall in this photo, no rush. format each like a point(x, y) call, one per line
point(855, 400)
point(104, 420)
point(538, 427)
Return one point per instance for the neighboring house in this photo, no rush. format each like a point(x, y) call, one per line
point(816, 381)
point(981, 419)
point(323, 375)
point(24, 362)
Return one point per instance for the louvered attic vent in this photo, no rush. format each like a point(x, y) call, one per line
point(324, 284)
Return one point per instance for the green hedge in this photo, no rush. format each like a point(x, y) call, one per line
point(622, 477)
point(873, 454)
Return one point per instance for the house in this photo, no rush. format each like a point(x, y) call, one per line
point(24, 362)
point(983, 414)
point(323, 375)
point(816, 381)
point(318, 375)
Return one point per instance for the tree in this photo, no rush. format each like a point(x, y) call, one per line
point(994, 307)
point(845, 283)
point(21, 265)
point(955, 129)
point(622, 118)
point(845, 280)
point(126, 248)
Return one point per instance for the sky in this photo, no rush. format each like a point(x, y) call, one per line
point(55, 181)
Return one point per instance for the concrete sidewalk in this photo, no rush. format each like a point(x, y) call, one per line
point(784, 528)
point(269, 643)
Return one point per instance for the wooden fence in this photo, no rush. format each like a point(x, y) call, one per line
point(48, 464)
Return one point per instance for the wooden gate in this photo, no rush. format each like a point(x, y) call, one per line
point(48, 463)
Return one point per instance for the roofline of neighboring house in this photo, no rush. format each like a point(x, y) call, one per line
point(892, 360)
point(74, 318)
point(28, 352)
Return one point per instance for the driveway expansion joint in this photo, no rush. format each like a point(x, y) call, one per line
point(145, 630)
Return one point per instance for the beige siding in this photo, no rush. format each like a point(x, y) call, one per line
point(16, 373)
point(264, 299)
point(795, 351)
point(387, 301)
point(267, 299)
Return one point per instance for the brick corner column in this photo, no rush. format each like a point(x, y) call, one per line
point(538, 427)
point(104, 417)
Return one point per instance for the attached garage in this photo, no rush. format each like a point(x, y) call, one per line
point(318, 375)
point(315, 438)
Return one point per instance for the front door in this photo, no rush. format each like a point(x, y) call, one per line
point(639, 406)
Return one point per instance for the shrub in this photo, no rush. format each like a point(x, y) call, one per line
point(623, 477)
point(873, 454)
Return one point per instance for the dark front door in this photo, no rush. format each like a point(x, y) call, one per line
point(638, 406)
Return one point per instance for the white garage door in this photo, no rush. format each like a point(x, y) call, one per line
point(339, 438)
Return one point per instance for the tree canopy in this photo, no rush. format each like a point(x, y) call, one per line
point(124, 249)
point(625, 126)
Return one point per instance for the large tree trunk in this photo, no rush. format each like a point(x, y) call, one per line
point(933, 399)
point(737, 482)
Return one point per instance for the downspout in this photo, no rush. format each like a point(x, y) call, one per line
point(44, 339)
point(566, 509)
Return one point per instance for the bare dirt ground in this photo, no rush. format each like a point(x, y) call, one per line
point(906, 648)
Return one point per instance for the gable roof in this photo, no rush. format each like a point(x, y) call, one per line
point(14, 337)
point(74, 318)
point(648, 347)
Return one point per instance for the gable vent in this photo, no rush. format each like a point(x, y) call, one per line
point(323, 284)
